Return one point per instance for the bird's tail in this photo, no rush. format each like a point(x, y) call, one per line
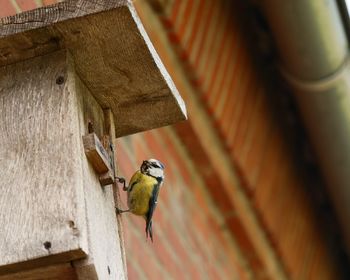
point(149, 230)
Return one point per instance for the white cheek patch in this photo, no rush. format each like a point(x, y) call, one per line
point(156, 172)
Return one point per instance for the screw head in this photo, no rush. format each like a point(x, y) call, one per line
point(60, 80)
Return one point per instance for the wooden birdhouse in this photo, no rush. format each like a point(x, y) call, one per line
point(73, 77)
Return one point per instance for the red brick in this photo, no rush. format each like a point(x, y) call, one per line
point(165, 258)
point(200, 200)
point(49, 2)
point(206, 170)
point(213, 272)
point(152, 147)
point(184, 20)
point(206, 24)
point(6, 8)
point(183, 225)
point(238, 112)
point(175, 155)
point(145, 262)
point(276, 227)
point(256, 142)
point(175, 10)
point(247, 111)
point(211, 42)
point(201, 15)
point(218, 63)
point(137, 222)
point(174, 38)
point(229, 66)
point(167, 23)
point(262, 157)
point(181, 252)
point(161, 253)
point(272, 159)
point(217, 229)
point(132, 273)
point(257, 150)
point(26, 5)
point(125, 165)
point(258, 121)
point(232, 104)
point(215, 59)
point(244, 243)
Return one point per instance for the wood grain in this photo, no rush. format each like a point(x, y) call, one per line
point(106, 178)
point(104, 260)
point(99, 158)
point(48, 15)
point(41, 203)
point(112, 53)
point(55, 272)
point(96, 153)
point(110, 131)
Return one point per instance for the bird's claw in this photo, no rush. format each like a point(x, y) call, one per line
point(120, 211)
point(120, 180)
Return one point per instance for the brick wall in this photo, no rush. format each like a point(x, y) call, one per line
point(213, 51)
point(198, 231)
point(190, 238)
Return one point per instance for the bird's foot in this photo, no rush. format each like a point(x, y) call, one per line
point(120, 211)
point(122, 181)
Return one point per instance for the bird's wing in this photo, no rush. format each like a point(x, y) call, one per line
point(152, 207)
point(134, 180)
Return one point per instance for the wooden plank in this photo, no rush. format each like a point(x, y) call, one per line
point(104, 260)
point(99, 158)
point(42, 207)
point(96, 154)
point(48, 15)
point(110, 131)
point(112, 53)
point(107, 178)
point(54, 272)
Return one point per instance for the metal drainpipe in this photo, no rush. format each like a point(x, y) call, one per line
point(313, 51)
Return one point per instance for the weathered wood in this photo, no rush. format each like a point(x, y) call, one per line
point(56, 211)
point(107, 178)
point(99, 158)
point(96, 153)
point(110, 131)
point(113, 55)
point(40, 171)
point(55, 272)
point(104, 260)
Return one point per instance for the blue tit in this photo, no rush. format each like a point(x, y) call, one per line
point(143, 190)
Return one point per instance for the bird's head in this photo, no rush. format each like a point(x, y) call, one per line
point(154, 168)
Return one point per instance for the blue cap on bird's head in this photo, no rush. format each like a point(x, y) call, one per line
point(153, 167)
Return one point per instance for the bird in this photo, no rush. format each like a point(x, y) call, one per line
point(143, 190)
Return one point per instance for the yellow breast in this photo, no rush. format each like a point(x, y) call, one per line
point(139, 193)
